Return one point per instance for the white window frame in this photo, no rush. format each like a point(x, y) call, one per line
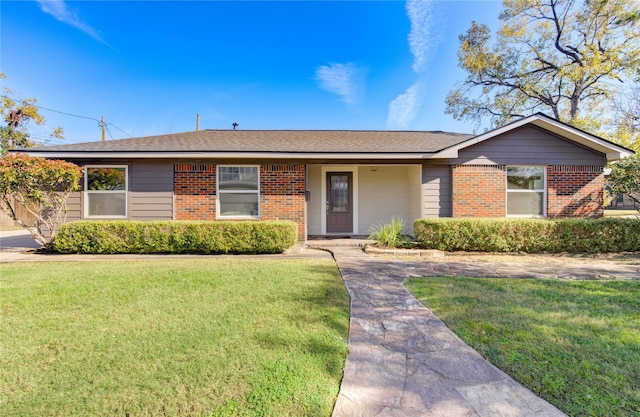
point(218, 192)
point(87, 192)
point(537, 191)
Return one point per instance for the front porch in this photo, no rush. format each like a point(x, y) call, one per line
point(348, 200)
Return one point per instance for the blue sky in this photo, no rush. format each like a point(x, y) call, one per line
point(150, 66)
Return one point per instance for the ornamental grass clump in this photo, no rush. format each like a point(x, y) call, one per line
point(390, 234)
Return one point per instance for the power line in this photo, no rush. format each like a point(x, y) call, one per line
point(66, 114)
point(69, 114)
point(118, 129)
point(108, 131)
point(44, 138)
point(55, 111)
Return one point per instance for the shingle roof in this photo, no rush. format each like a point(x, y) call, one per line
point(289, 141)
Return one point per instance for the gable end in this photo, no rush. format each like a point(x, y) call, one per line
point(529, 145)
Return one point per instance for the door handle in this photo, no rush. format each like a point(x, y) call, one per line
point(327, 207)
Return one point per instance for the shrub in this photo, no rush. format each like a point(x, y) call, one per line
point(529, 235)
point(216, 237)
point(41, 187)
point(390, 234)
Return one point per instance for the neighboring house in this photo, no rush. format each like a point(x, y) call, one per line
point(343, 182)
point(623, 202)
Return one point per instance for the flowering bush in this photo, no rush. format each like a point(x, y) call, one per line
point(42, 187)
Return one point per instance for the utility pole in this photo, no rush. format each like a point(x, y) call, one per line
point(197, 122)
point(103, 128)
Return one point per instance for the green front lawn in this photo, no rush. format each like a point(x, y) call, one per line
point(621, 213)
point(574, 343)
point(192, 337)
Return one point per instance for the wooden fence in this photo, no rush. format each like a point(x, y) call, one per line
point(22, 214)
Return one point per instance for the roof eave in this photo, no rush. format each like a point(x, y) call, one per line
point(229, 155)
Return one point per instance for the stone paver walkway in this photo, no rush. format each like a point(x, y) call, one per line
point(519, 270)
point(404, 362)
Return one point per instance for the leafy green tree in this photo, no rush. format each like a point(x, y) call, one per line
point(42, 187)
point(106, 179)
point(627, 110)
point(18, 118)
point(566, 58)
point(625, 178)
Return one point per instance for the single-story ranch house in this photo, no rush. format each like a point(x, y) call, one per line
point(343, 182)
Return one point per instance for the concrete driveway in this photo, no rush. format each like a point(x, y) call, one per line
point(16, 241)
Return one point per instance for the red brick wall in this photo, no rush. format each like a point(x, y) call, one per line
point(282, 193)
point(572, 191)
point(194, 187)
point(479, 191)
point(575, 191)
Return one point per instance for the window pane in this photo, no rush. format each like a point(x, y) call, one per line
point(525, 204)
point(238, 178)
point(107, 204)
point(106, 179)
point(339, 193)
point(525, 178)
point(238, 204)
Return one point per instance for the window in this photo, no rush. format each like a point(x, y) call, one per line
point(526, 191)
point(106, 191)
point(238, 191)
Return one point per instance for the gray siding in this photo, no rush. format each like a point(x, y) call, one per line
point(436, 191)
point(151, 191)
point(74, 206)
point(528, 145)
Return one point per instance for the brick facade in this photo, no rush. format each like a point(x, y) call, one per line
point(194, 187)
point(575, 191)
point(479, 191)
point(282, 193)
point(572, 191)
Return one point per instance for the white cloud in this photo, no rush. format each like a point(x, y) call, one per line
point(345, 80)
point(60, 11)
point(424, 32)
point(424, 36)
point(403, 109)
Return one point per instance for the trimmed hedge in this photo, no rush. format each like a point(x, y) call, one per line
point(215, 237)
point(529, 235)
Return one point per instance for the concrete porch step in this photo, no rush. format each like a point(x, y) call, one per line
point(324, 242)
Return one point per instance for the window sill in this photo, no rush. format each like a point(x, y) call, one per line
point(526, 216)
point(105, 217)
